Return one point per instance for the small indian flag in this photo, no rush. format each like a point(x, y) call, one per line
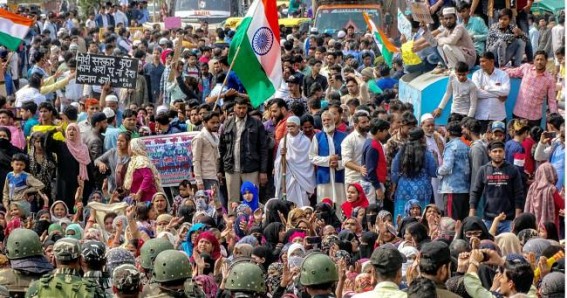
point(13, 29)
point(384, 45)
point(255, 50)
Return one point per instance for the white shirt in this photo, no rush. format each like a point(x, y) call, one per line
point(120, 17)
point(351, 150)
point(27, 94)
point(90, 24)
point(490, 87)
point(557, 37)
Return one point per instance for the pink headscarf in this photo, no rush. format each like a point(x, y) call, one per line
point(539, 200)
point(79, 151)
point(208, 285)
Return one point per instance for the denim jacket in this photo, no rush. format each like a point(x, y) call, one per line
point(455, 171)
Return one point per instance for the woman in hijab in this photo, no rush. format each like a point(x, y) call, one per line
point(208, 284)
point(355, 198)
point(274, 234)
point(543, 199)
point(42, 165)
point(242, 250)
point(250, 196)
point(474, 227)
point(272, 208)
point(191, 238)
point(367, 243)
point(74, 231)
point(508, 243)
point(412, 209)
point(74, 163)
point(142, 178)
point(325, 213)
point(160, 203)
point(207, 243)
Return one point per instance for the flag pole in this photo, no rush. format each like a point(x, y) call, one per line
point(226, 78)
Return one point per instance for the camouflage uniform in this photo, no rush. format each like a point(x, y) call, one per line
point(126, 278)
point(170, 266)
point(65, 282)
point(27, 262)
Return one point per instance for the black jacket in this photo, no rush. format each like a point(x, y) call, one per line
point(502, 188)
point(253, 147)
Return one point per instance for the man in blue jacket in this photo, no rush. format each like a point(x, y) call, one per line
point(501, 185)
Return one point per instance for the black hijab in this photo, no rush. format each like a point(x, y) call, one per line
point(272, 233)
point(472, 223)
point(328, 215)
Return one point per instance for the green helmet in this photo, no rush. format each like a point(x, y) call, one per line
point(246, 276)
point(23, 243)
point(316, 269)
point(171, 265)
point(151, 249)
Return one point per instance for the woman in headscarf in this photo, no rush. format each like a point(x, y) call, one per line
point(355, 198)
point(294, 216)
point(474, 227)
point(272, 208)
point(412, 209)
point(42, 165)
point(142, 178)
point(543, 199)
point(367, 243)
point(74, 231)
point(208, 284)
point(59, 211)
point(160, 203)
point(74, 163)
point(412, 170)
point(274, 234)
point(326, 214)
point(116, 160)
point(535, 246)
point(191, 238)
point(250, 196)
point(207, 243)
point(508, 243)
point(242, 250)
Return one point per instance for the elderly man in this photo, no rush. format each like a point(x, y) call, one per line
point(327, 157)
point(454, 42)
point(299, 172)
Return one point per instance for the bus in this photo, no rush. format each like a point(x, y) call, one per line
point(212, 11)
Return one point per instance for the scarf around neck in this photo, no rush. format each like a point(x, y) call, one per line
point(79, 151)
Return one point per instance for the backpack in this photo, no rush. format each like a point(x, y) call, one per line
point(66, 286)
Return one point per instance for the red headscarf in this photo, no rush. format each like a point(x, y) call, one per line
point(362, 201)
point(216, 253)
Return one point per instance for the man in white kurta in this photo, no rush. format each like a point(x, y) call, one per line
point(300, 173)
point(325, 153)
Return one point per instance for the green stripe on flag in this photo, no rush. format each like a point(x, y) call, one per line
point(10, 42)
point(248, 68)
point(388, 56)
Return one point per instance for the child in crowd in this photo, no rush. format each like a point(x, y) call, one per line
point(19, 183)
point(464, 93)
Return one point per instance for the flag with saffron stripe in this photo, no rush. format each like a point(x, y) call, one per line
point(13, 29)
point(384, 44)
point(255, 50)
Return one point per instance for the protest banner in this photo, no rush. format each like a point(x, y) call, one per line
point(171, 154)
point(404, 25)
point(172, 22)
point(99, 69)
point(420, 13)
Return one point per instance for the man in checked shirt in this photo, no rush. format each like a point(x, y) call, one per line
point(537, 85)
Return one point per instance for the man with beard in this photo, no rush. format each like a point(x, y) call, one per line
point(279, 113)
point(205, 150)
point(300, 173)
point(454, 42)
point(436, 145)
point(351, 150)
point(94, 138)
point(537, 85)
point(326, 155)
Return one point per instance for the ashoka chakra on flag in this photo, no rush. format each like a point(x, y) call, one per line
point(262, 41)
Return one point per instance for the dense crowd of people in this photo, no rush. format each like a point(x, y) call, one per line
point(332, 188)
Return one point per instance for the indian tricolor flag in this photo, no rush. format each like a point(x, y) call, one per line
point(255, 51)
point(13, 29)
point(384, 44)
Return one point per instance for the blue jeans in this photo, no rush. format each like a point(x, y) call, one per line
point(505, 52)
point(503, 226)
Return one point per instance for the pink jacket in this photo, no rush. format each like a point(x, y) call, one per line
point(143, 179)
